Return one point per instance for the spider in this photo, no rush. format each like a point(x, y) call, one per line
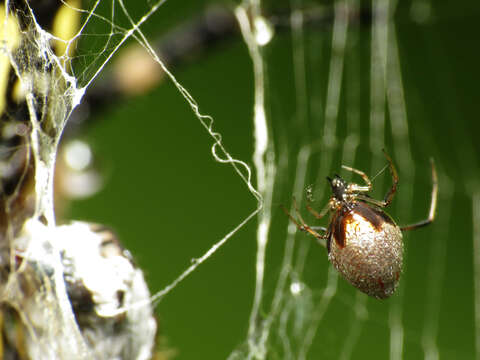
point(363, 242)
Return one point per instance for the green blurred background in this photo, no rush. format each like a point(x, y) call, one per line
point(169, 201)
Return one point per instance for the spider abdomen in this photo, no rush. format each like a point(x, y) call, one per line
point(365, 246)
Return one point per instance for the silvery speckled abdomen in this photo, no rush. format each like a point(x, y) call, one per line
point(365, 246)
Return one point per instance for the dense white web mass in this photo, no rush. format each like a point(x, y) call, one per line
point(345, 85)
point(53, 258)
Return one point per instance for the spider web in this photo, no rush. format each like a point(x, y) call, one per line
point(339, 99)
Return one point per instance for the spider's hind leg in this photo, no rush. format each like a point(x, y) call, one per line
point(433, 203)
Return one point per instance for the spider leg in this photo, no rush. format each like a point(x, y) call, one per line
point(389, 196)
point(355, 187)
point(319, 228)
point(433, 203)
point(370, 200)
point(320, 214)
point(302, 226)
